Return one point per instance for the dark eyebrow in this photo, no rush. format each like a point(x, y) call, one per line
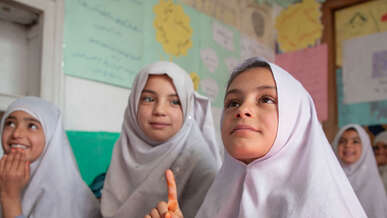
point(11, 117)
point(259, 88)
point(31, 119)
point(148, 91)
point(155, 93)
point(25, 119)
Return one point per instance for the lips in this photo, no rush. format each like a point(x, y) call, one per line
point(159, 125)
point(349, 153)
point(18, 146)
point(243, 127)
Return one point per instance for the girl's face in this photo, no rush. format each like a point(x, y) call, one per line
point(350, 147)
point(250, 118)
point(159, 111)
point(380, 151)
point(23, 131)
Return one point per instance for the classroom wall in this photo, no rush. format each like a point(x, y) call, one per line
point(93, 106)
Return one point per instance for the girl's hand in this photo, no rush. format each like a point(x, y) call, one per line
point(170, 209)
point(14, 176)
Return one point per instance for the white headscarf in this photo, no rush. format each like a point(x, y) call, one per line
point(135, 180)
point(299, 177)
point(56, 188)
point(364, 177)
point(382, 137)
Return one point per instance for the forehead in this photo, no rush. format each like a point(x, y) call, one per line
point(256, 76)
point(350, 134)
point(159, 81)
point(21, 115)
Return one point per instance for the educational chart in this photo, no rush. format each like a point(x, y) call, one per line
point(365, 68)
point(364, 19)
point(299, 26)
point(310, 67)
point(103, 41)
point(119, 38)
point(369, 113)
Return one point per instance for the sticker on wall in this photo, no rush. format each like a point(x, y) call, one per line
point(231, 63)
point(223, 36)
point(252, 48)
point(225, 11)
point(299, 26)
point(195, 80)
point(209, 58)
point(210, 88)
point(257, 23)
point(173, 30)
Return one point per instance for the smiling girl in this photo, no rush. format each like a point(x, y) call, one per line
point(166, 125)
point(354, 151)
point(38, 173)
point(278, 161)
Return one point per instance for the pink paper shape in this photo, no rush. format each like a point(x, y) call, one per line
point(310, 67)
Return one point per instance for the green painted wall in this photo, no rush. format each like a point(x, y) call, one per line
point(93, 151)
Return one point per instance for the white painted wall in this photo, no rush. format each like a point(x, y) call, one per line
point(93, 106)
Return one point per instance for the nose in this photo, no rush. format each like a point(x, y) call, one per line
point(17, 132)
point(159, 109)
point(244, 111)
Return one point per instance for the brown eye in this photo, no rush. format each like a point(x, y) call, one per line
point(147, 99)
point(232, 103)
point(267, 100)
point(10, 124)
point(176, 102)
point(33, 126)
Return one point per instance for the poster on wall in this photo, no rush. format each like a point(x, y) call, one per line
point(365, 113)
point(365, 68)
point(310, 67)
point(299, 26)
point(359, 20)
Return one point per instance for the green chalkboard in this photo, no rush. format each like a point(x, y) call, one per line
point(93, 151)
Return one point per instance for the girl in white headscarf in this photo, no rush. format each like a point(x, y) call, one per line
point(39, 176)
point(278, 161)
point(380, 150)
point(166, 125)
point(353, 149)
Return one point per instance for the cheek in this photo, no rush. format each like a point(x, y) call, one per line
point(340, 151)
point(6, 134)
point(225, 126)
point(178, 118)
point(142, 114)
point(271, 121)
point(359, 150)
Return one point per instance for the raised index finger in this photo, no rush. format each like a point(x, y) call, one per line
point(172, 193)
